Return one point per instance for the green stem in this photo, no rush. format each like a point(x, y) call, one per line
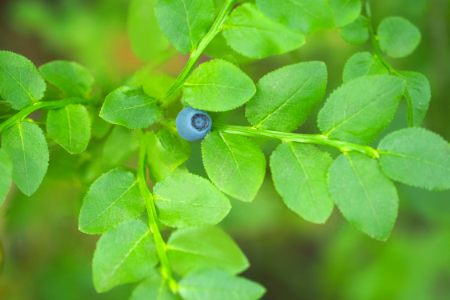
point(166, 271)
point(299, 138)
point(195, 55)
point(21, 115)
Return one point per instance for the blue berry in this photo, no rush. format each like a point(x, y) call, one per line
point(193, 124)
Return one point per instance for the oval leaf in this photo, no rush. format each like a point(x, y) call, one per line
point(356, 32)
point(345, 11)
point(154, 287)
point(418, 95)
point(128, 141)
point(398, 37)
point(363, 64)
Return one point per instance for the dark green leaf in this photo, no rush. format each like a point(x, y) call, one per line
point(345, 11)
point(286, 97)
point(154, 287)
point(6, 169)
point(416, 157)
point(398, 37)
point(5, 106)
point(418, 95)
point(356, 32)
point(120, 144)
point(234, 164)
point(27, 148)
point(364, 195)
point(363, 64)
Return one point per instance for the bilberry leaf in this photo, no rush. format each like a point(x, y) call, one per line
point(5, 106)
point(6, 168)
point(363, 64)
point(398, 37)
point(128, 141)
point(356, 32)
point(99, 127)
point(364, 195)
point(153, 287)
point(345, 11)
point(418, 95)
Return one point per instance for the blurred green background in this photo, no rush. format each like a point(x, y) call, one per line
point(46, 257)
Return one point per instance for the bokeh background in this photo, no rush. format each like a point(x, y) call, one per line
point(46, 257)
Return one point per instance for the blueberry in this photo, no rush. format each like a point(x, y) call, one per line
point(193, 124)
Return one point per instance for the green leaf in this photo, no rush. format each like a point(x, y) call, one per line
point(6, 169)
point(287, 96)
point(127, 139)
point(398, 37)
point(299, 173)
point(112, 199)
point(235, 164)
point(70, 127)
point(5, 106)
point(154, 83)
point(359, 110)
point(27, 149)
point(71, 78)
point(218, 48)
point(252, 34)
point(307, 16)
point(20, 82)
point(154, 287)
point(363, 64)
point(345, 11)
point(356, 32)
point(185, 22)
point(125, 254)
point(364, 195)
point(130, 107)
point(418, 95)
point(218, 85)
point(147, 40)
point(100, 127)
point(218, 285)
point(416, 157)
point(185, 200)
point(204, 247)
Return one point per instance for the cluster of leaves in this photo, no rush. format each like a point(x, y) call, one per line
point(204, 259)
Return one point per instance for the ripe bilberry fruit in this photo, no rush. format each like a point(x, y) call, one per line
point(193, 124)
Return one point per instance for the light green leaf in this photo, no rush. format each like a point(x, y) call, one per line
point(127, 139)
point(70, 127)
point(112, 199)
point(287, 96)
point(185, 22)
point(147, 40)
point(185, 200)
point(6, 169)
point(204, 247)
point(398, 37)
point(252, 34)
point(345, 11)
point(71, 78)
point(130, 107)
point(20, 82)
point(359, 110)
point(356, 32)
point(416, 157)
point(27, 148)
point(125, 254)
point(5, 106)
point(154, 83)
point(218, 48)
point(363, 64)
point(307, 16)
point(364, 195)
point(235, 164)
point(218, 285)
point(154, 287)
point(418, 95)
point(218, 85)
point(299, 173)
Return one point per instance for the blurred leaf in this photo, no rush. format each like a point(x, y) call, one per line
point(130, 107)
point(218, 85)
point(185, 22)
point(125, 254)
point(418, 95)
point(398, 37)
point(27, 148)
point(185, 200)
point(147, 40)
point(299, 173)
point(345, 11)
point(20, 82)
point(360, 109)
point(204, 247)
point(363, 64)
point(287, 96)
point(154, 287)
point(6, 169)
point(112, 199)
point(99, 127)
point(71, 78)
point(155, 84)
point(252, 34)
point(363, 194)
point(218, 285)
point(70, 127)
point(234, 164)
point(218, 48)
point(417, 157)
point(127, 139)
point(356, 32)
point(307, 16)
point(5, 106)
